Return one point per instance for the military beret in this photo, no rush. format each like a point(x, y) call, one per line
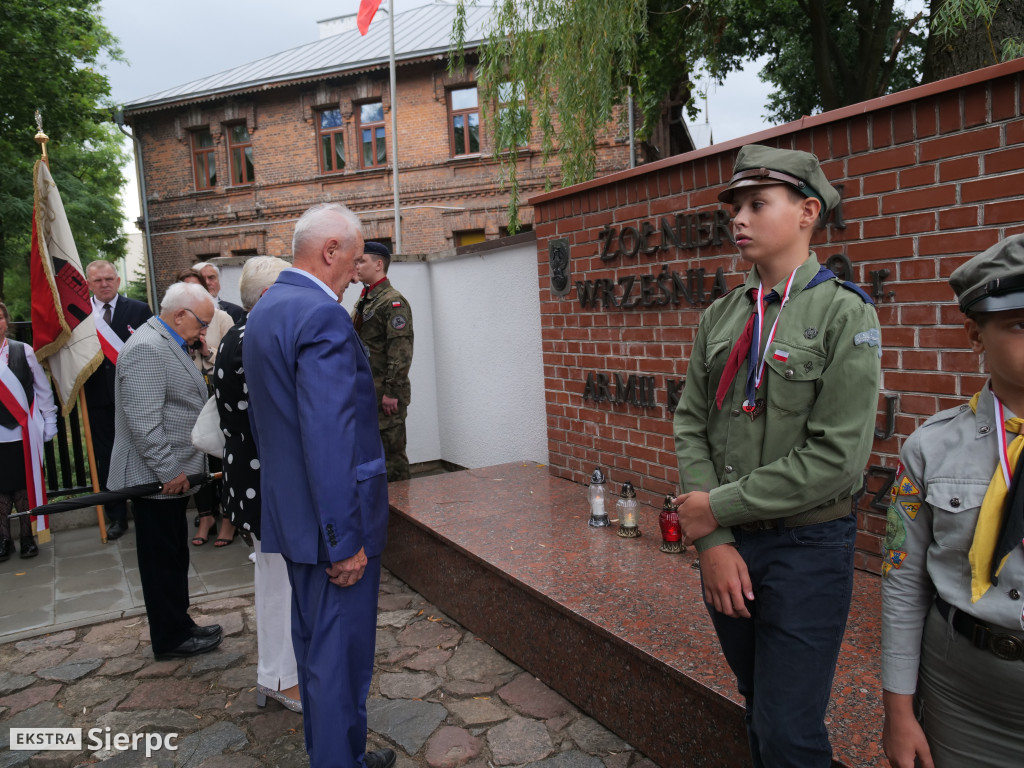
point(377, 249)
point(992, 281)
point(757, 165)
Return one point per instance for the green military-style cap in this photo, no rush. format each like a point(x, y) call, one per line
point(992, 281)
point(757, 165)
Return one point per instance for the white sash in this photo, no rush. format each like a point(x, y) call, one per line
point(14, 395)
point(110, 342)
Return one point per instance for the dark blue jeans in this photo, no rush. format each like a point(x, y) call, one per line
point(784, 655)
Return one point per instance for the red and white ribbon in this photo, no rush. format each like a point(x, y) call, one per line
point(110, 342)
point(12, 395)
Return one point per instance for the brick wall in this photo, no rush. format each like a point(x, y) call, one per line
point(440, 195)
point(929, 178)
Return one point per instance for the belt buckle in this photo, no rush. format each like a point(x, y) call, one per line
point(1006, 647)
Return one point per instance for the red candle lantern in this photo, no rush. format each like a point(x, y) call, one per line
point(671, 532)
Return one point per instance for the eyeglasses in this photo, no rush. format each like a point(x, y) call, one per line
point(201, 323)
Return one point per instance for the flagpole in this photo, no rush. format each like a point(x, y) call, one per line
point(42, 139)
point(394, 130)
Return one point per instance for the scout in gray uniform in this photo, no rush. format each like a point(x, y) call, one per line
point(383, 320)
point(953, 571)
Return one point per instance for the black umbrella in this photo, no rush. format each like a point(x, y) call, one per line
point(94, 499)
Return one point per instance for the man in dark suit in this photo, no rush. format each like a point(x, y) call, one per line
point(116, 318)
point(159, 393)
point(313, 412)
point(211, 274)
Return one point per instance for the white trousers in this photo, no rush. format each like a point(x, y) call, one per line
point(276, 666)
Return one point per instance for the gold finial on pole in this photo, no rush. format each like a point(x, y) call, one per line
point(41, 138)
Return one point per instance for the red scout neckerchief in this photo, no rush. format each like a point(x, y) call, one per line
point(12, 395)
point(745, 348)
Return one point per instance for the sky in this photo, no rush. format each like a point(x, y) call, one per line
point(168, 44)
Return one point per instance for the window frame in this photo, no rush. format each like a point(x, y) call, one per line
point(205, 158)
point(515, 100)
point(465, 113)
point(373, 127)
point(334, 135)
point(241, 146)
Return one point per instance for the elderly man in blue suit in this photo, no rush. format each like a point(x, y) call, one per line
point(313, 411)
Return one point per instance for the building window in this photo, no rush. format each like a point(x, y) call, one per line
point(469, 237)
point(371, 133)
point(204, 159)
point(465, 121)
point(513, 129)
point(240, 152)
point(332, 141)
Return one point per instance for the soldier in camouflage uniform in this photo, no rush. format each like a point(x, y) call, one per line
point(383, 320)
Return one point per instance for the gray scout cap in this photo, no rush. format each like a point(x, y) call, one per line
point(757, 165)
point(992, 281)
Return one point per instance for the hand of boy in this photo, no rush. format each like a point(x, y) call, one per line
point(726, 581)
point(695, 516)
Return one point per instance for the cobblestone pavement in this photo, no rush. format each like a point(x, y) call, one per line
point(440, 697)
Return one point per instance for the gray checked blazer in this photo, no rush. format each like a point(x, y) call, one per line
point(158, 395)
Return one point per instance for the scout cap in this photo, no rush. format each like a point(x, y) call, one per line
point(757, 165)
point(377, 249)
point(992, 281)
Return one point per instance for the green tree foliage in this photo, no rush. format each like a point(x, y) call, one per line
point(50, 60)
point(824, 54)
point(970, 34)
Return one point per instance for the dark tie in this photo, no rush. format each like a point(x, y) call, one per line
point(106, 314)
point(741, 351)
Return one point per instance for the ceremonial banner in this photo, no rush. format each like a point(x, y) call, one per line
point(64, 335)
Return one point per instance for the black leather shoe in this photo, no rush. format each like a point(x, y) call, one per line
point(29, 548)
point(6, 549)
point(380, 758)
point(210, 630)
point(191, 647)
point(115, 531)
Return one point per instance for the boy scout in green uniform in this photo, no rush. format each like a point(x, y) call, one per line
point(773, 430)
point(383, 320)
point(953, 572)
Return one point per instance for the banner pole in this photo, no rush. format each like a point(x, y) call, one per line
point(91, 453)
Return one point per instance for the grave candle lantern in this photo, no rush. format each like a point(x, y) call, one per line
point(671, 532)
point(596, 495)
point(628, 511)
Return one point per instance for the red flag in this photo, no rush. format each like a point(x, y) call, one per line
point(63, 332)
point(367, 10)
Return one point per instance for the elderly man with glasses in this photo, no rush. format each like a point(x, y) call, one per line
point(159, 393)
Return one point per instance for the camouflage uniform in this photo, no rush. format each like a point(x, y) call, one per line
point(384, 322)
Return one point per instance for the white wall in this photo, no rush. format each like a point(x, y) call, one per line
point(477, 375)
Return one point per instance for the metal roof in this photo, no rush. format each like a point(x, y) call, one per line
point(420, 32)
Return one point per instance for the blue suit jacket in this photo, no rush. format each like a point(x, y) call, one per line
point(313, 411)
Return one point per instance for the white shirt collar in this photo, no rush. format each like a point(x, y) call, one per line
point(317, 280)
point(97, 305)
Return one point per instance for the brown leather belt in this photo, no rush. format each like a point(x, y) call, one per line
point(998, 641)
point(823, 514)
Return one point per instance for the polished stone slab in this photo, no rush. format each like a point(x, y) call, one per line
point(614, 625)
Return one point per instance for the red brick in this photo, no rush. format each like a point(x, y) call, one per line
point(918, 404)
point(975, 107)
point(942, 338)
point(961, 362)
point(974, 241)
point(917, 269)
point(993, 188)
point(917, 222)
point(949, 263)
point(879, 182)
point(883, 249)
point(961, 144)
point(1004, 161)
point(879, 227)
point(934, 383)
point(925, 118)
point(895, 157)
point(859, 141)
point(839, 140)
point(1005, 212)
point(961, 168)
point(1004, 98)
point(917, 176)
point(903, 124)
point(913, 314)
point(915, 360)
point(949, 112)
point(934, 291)
point(919, 199)
point(881, 129)
point(958, 218)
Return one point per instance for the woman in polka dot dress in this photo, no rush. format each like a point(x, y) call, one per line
point(276, 673)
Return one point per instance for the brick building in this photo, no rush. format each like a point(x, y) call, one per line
point(230, 161)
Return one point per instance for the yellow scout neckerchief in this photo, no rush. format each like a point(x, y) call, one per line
point(990, 518)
